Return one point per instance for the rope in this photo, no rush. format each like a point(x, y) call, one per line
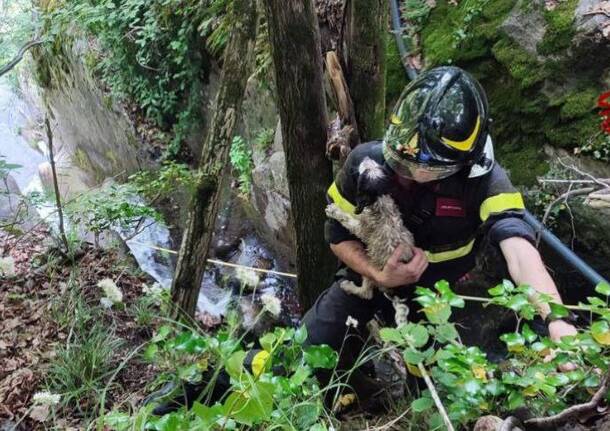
point(219, 262)
point(291, 275)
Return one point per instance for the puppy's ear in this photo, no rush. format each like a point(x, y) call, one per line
point(374, 180)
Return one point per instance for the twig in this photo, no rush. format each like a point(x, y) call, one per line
point(435, 397)
point(60, 213)
point(553, 422)
point(562, 181)
point(564, 197)
point(583, 173)
point(15, 61)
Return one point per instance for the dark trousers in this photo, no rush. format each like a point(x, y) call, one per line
point(326, 324)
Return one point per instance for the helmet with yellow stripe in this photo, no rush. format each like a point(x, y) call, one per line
point(439, 127)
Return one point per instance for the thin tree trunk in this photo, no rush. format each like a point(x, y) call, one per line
point(366, 64)
point(60, 213)
point(238, 64)
point(295, 46)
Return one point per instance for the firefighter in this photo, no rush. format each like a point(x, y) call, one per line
point(452, 195)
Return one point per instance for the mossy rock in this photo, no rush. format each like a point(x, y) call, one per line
point(536, 96)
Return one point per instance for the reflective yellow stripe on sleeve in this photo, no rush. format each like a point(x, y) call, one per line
point(259, 362)
point(339, 200)
point(450, 254)
point(501, 202)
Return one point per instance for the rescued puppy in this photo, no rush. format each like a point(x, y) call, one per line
point(378, 225)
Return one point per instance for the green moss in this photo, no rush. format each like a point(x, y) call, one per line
point(81, 160)
point(560, 28)
point(570, 134)
point(522, 65)
point(525, 164)
point(465, 32)
point(579, 103)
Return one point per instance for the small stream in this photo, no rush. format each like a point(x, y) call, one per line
point(147, 246)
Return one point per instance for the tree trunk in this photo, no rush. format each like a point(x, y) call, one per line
point(366, 41)
point(295, 45)
point(238, 64)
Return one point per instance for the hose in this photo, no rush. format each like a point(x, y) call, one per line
point(402, 49)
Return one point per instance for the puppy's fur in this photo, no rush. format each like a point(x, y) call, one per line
point(379, 225)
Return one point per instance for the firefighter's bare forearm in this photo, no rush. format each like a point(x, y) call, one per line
point(526, 267)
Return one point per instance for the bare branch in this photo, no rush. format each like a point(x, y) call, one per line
point(574, 412)
point(15, 61)
point(60, 213)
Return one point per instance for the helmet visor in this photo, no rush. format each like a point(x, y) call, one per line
point(422, 172)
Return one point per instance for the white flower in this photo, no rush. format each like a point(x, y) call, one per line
point(112, 292)
point(271, 303)
point(46, 398)
point(7, 266)
point(106, 303)
point(247, 277)
point(351, 322)
point(154, 290)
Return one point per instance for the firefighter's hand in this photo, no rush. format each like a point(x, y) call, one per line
point(396, 273)
point(558, 329)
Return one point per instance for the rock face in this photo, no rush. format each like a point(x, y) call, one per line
point(542, 69)
point(91, 131)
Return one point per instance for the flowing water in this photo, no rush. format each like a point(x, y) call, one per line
point(147, 246)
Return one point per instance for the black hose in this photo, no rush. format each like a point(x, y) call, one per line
point(402, 49)
point(566, 254)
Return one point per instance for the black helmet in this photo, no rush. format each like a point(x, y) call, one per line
point(440, 126)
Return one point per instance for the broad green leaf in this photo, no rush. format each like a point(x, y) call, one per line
point(320, 356)
point(250, 406)
point(437, 313)
point(603, 288)
point(515, 400)
point(300, 375)
point(391, 335)
point(413, 356)
point(446, 333)
point(151, 352)
point(235, 364)
point(600, 331)
point(209, 415)
point(117, 421)
point(306, 414)
point(419, 333)
point(422, 404)
point(595, 301)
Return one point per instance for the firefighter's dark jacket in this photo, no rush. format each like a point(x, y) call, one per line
point(448, 218)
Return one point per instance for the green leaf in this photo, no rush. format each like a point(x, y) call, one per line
point(437, 313)
point(391, 335)
point(250, 406)
point(600, 331)
point(235, 364)
point(419, 335)
point(446, 333)
point(209, 415)
point(300, 335)
point(413, 356)
point(161, 334)
point(151, 352)
point(515, 400)
point(514, 342)
point(117, 421)
point(422, 404)
point(320, 356)
point(517, 302)
point(603, 288)
point(558, 311)
point(497, 291)
point(306, 414)
point(300, 375)
point(529, 335)
point(267, 341)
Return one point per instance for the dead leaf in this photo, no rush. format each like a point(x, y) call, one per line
point(40, 413)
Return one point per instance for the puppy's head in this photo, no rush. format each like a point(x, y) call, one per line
point(373, 181)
